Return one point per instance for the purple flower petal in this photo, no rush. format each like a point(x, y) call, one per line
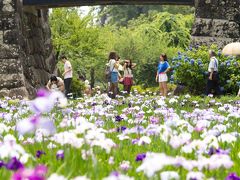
point(118, 118)
point(14, 164)
point(140, 157)
point(42, 93)
point(232, 176)
point(39, 153)
point(60, 155)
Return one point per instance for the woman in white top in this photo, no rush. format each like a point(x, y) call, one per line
point(113, 67)
point(128, 76)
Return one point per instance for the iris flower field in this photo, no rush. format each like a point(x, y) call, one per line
point(141, 136)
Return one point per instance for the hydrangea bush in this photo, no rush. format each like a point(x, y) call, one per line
point(191, 69)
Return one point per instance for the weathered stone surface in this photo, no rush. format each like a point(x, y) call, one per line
point(10, 66)
point(26, 51)
point(10, 37)
point(4, 93)
point(205, 40)
point(8, 51)
point(17, 92)
point(14, 92)
point(217, 21)
point(216, 28)
point(7, 21)
point(8, 6)
point(50, 63)
point(217, 9)
point(10, 81)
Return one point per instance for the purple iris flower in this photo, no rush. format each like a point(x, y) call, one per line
point(60, 155)
point(115, 173)
point(154, 120)
point(222, 151)
point(40, 170)
point(94, 104)
point(99, 123)
point(14, 164)
point(106, 103)
point(140, 129)
point(42, 93)
point(135, 141)
point(218, 151)
point(118, 118)
point(140, 157)
point(211, 151)
point(39, 153)
point(121, 129)
point(34, 119)
point(232, 176)
point(38, 173)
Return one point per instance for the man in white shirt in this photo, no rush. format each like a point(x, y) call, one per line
point(68, 73)
point(213, 76)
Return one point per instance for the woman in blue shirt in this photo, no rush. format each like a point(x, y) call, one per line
point(161, 77)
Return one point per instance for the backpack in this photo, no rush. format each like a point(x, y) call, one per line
point(107, 73)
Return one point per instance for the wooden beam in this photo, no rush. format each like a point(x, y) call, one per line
point(68, 3)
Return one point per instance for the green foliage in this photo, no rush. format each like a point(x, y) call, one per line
point(119, 15)
point(79, 39)
point(77, 87)
point(190, 69)
point(154, 89)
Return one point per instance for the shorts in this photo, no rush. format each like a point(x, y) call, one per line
point(162, 77)
point(128, 81)
point(114, 77)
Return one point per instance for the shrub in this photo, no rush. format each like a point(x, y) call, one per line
point(77, 87)
point(190, 69)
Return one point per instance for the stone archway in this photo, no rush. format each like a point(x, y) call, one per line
point(27, 55)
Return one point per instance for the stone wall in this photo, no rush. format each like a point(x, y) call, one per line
point(26, 52)
point(217, 21)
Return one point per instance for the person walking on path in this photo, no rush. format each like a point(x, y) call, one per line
point(55, 84)
point(161, 76)
point(68, 74)
point(128, 76)
point(213, 76)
